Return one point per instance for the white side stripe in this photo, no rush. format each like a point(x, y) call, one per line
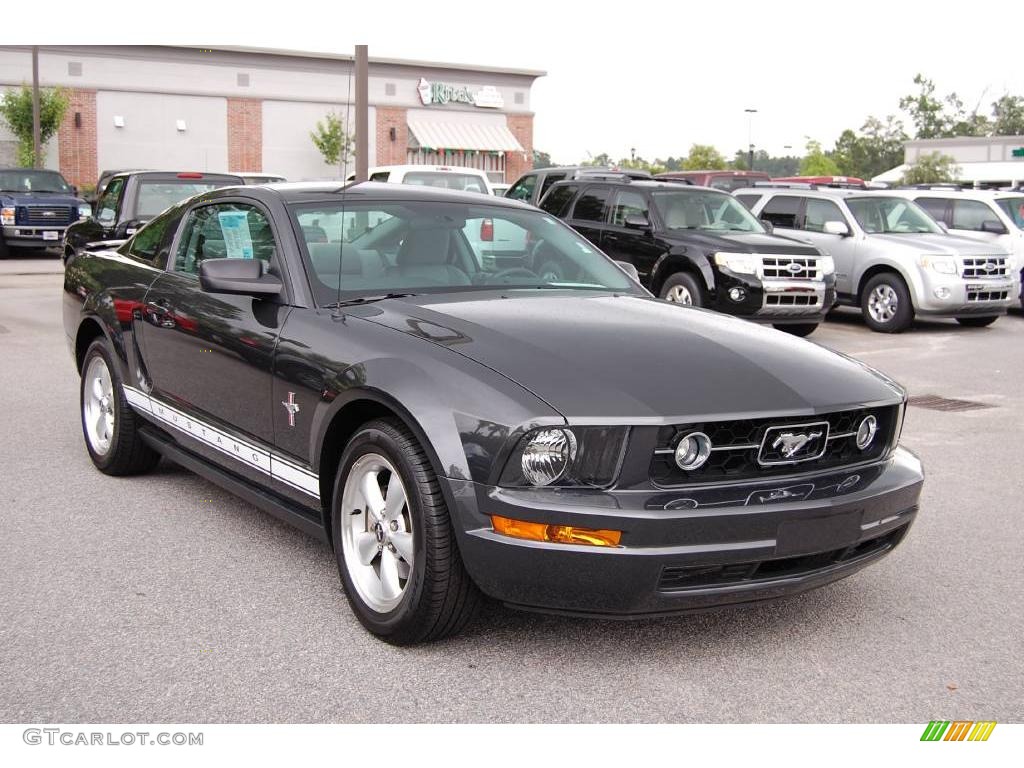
point(251, 455)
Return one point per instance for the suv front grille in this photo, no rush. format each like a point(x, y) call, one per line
point(46, 215)
point(987, 295)
point(737, 446)
point(791, 300)
point(986, 266)
point(790, 267)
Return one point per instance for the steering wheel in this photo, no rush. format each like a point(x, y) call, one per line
point(510, 271)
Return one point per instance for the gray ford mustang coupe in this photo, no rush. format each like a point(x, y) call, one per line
point(384, 367)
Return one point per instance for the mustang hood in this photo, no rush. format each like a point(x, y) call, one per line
point(629, 359)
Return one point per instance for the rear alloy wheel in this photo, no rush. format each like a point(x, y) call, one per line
point(394, 540)
point(682, 288)
point(797, 329)
point(886, 305)
point(110, 427)
point(976, 322)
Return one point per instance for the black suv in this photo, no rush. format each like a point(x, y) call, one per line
point(534, 184)
point(700, 246)
point(131, 198)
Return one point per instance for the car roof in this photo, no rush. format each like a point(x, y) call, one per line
point(438, 168)
point(824, 192)
point(720, 171)
point(974, 194)
point(33, 170)
point(648, 184)
point(318, 191)
point(177, 174)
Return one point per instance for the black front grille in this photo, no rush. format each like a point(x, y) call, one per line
point(679, 578)
point(987, 295)
point(804, 267)
point(791, 300)
point(986, 266)
point(737, 446)
point(47, 215)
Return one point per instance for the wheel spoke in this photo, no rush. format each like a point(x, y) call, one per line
point(366, 547)
point(396, 497)
point(403, 543)
point(101, 425)
point(389, 575)
point(372, 496)
point(97, 388)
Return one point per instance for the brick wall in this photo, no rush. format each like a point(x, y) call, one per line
point(77, 145)
point(521, 127)
point(245, 135)
point(391, 152)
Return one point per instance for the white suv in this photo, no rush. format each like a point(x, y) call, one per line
point(892, 260)
point(984, 215)
point(441, 176)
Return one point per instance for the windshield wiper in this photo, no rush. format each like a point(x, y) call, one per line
point(368, 299)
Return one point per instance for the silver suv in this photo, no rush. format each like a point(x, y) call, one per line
point(892, 259)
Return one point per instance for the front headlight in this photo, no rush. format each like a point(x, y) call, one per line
point(944, 265)
point(827, 265)
point(741, 263)
point(566, 457)
point(7, 217)
point(84, 211)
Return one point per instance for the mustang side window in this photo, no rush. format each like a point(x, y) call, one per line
point(225, 230)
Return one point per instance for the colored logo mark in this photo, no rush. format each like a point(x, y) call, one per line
point(958, 730)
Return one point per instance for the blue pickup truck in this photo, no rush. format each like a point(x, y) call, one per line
point(36, 206)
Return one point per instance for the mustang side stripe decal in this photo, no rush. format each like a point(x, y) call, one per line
point(251, 455)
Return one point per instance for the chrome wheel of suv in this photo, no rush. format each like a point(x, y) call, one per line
point(679, 294)
point(883, 303)
point(886, 304)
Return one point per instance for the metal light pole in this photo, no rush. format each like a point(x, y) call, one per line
point(750, 138)
point(362, 113)
point(37, 161)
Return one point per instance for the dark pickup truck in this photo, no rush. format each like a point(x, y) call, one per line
point(36, 206)
point(132, 198)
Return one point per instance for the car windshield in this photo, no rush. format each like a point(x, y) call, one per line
point(702, 209)
point(891, 215)
point(372, 249)
point(464, 182)
point(33, 181)
point(155, 196)
point(1014, 208)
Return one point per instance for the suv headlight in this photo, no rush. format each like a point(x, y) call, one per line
point(7, 217)
point(944, 265)
point(566, 457)
point(741, 263)
point(84, 211)
point(827, 265)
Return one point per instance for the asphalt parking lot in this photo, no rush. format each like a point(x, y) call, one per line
point(164, 599)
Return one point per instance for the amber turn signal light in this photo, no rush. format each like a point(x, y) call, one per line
point(560, 534)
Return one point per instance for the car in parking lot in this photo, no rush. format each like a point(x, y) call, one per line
point(700, 246)
point(533, 185)
point(131, 198)
point(727, 180)
point(254, 177)
point(892, 259)
point(439, 176)
point(36, 207)
point(983, 215)
point(560, 445)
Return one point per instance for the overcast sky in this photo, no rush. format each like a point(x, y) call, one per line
point(654, 76)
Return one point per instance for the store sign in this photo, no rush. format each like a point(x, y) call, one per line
point(1018, 152)
point(487, 97)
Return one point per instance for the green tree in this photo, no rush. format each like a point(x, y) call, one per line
point(816, 162)
point(541, 159)
point(932, 168)
point(877, 148)
point(603, 159)
point(330, 137)
point(704, 157)
point(1008, 116)
point(16, 112)
point(926, 110)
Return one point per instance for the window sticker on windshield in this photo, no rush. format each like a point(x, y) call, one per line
point(237, 239)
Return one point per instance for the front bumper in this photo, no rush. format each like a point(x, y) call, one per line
point(684, 550)
point(34, 237)
point(775, 301)
point(954, 296)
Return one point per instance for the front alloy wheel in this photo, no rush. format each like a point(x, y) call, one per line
point(886, 305)
point(394, 539)
point(682, 288)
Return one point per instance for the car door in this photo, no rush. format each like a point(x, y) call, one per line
point(101, 225)
point(842, 248)
point(589, 212)
point(208, 356)
point(636, 246)
point(967, 217)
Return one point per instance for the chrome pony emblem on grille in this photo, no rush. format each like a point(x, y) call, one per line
point(794, 267)
point(792, 443)
point(789, 443)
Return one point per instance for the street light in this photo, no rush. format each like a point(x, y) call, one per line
point(750, 137)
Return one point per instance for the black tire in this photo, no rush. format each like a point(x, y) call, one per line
point(439, 597)
point(687, 282)
point(903, 316)
point(976, 322)
point(797, 329)
point(127, 454)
